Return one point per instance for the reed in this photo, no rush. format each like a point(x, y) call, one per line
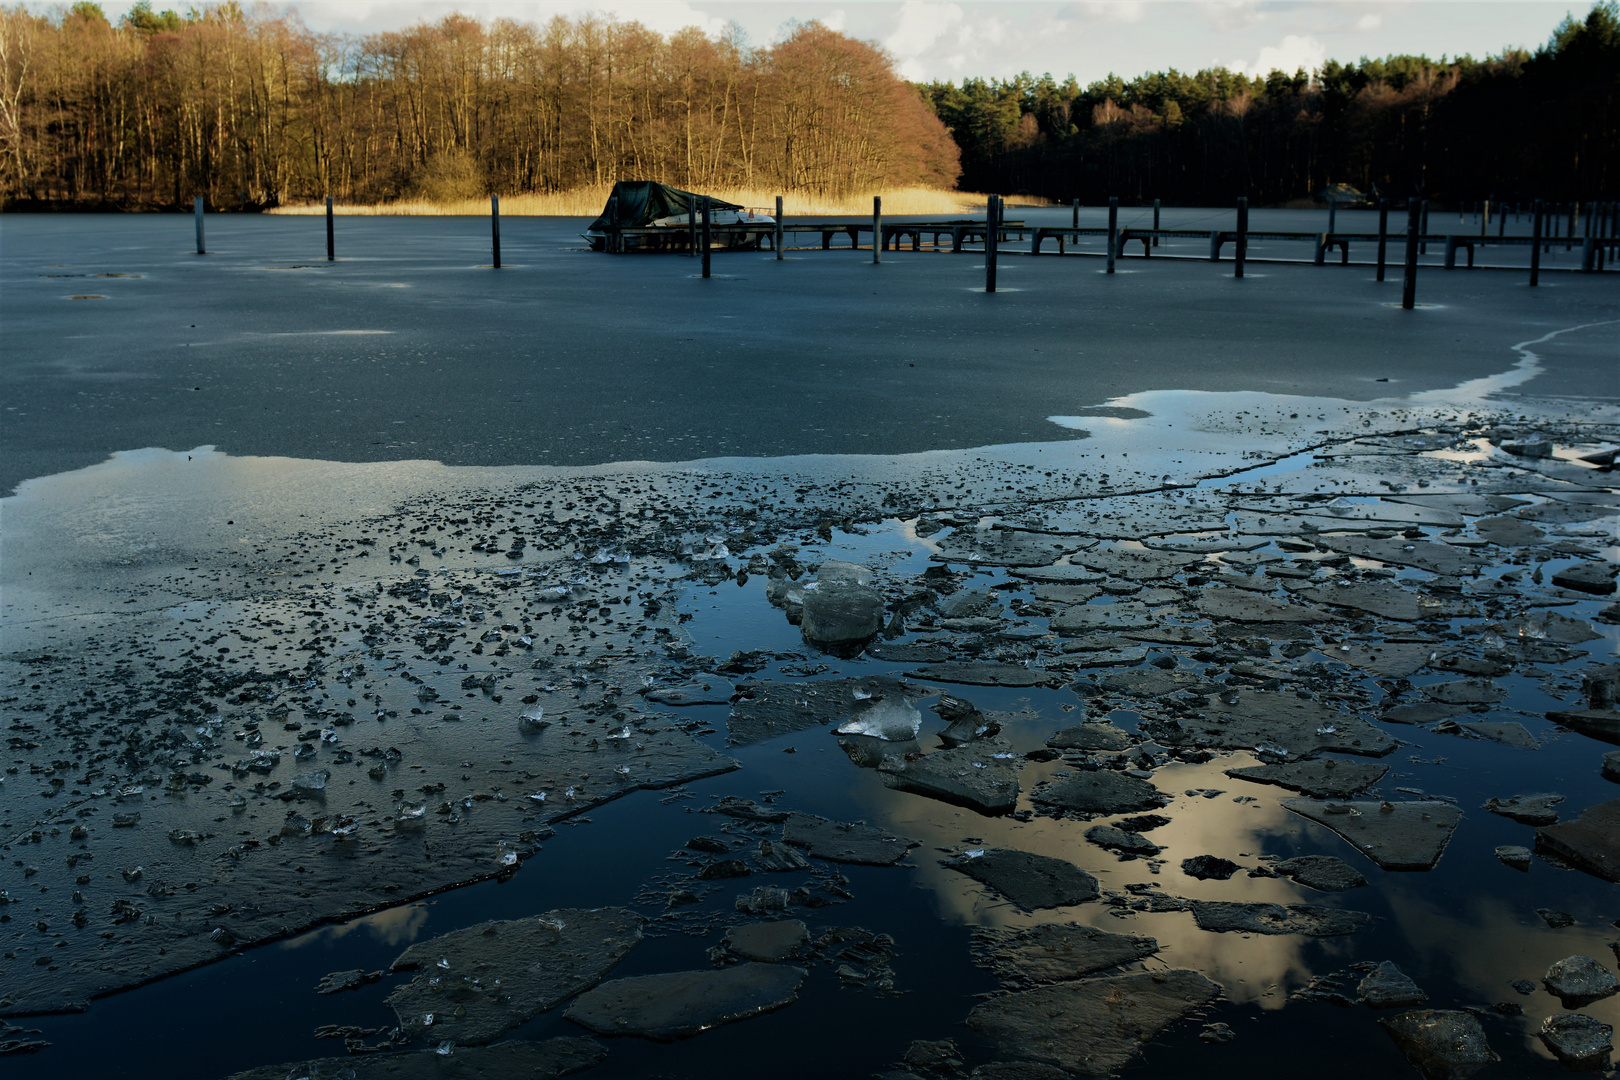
point(589, 201)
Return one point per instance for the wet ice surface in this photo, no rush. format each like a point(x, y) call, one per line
point(248, 700)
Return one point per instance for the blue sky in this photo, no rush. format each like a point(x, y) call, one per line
point(934, 39)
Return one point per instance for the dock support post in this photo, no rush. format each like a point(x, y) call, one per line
point(877, 229)
point(1485, 217)
point(778, 241)
point(1155, 222)
point(1075, 222)
point(1113, 230)
point(1333, 216)
point(331, 255)
point(1241, 250)
point(705, 236)
point(197, 208)
point(992, 232)
point(495, 227)
point(1415, 210)
point(1589, 241)
point(1383, 235)
point(1423, 228)
point(1535, 243)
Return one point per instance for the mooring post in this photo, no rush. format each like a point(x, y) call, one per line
point(1241, 249)
point(1076, 222)
point(1485, 217)
point(1423, 228)
point(1383, 234)
point(1589, 241)
point(877, 228)
point(706, 236)
point(197, 208)
point(778, 241)
point(1535, 243)
point(495, 227)
point(1415, 212)
point(612, 243)
point(1113, 230)
point(1333, 216)
point(331, 256)
point(1155, 222)
point(992, 231)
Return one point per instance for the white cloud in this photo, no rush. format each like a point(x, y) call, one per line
point(836, 20)
point(1232, 14)
point(1105, 11)
point(918, 24)
point(1289, 55)
point(1370, 21)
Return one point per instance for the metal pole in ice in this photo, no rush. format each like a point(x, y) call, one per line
point(331, 255)
point(779, 228)
point(1241, 249)
point(495, 227)
point(197, 208)
point(1535, 243)
point(1383, 234)
point(1076, 222)
point(992, 231)
point(1414, 222)
point(877, 228)
point(705, 236)
point(1155, 221)
point(1113, 230)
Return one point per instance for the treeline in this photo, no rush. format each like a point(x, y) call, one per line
point(254, 110)
point(1511, 127)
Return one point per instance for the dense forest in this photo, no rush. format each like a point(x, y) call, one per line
point(1516, 126)
point(252, 109)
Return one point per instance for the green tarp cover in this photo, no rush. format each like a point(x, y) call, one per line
point(641, 202)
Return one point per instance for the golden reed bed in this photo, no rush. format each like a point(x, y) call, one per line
point(588, 202)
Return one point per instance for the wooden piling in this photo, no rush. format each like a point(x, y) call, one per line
point(778, 242)
point(877, 229)
point(1416, 210)
point(705, 236)
point(1076, 222)
point(1240, 249)
point(992, 232)
point(197, 208)
point(1383, 235)
point(495, 227)
point(1113, 230)
point(1155, 221)
point(331, 254)
point(1535, 243)
point(1423, 227)
point(1333, 216)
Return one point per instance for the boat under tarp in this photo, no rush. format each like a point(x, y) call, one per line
point(649, 205)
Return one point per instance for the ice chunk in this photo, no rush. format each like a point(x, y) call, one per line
point(891, 718)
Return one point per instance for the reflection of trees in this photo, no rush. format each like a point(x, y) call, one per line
point(1513, 126)
point(251, 109)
